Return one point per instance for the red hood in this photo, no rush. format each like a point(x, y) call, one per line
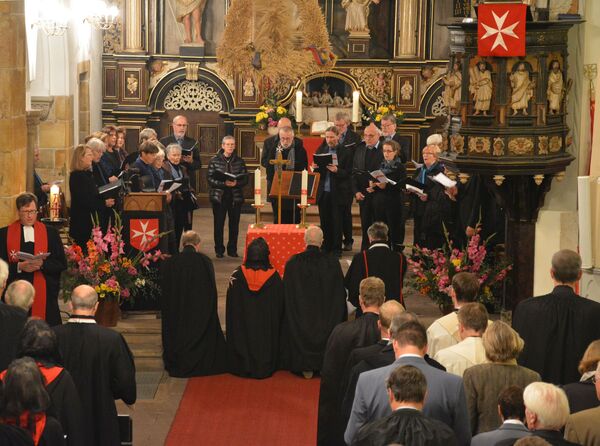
point(256, 278)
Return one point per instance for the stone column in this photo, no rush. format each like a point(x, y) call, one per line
point(133, 26)
point(33, 138)
point(407, 33)
point(13, 123)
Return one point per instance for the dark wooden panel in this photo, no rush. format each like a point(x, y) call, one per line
point(247, 147)
point(110, 82)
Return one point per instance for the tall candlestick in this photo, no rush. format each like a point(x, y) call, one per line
point(355, 106)
point(299, 106)
point(54, 202)
point(257, 191)
point(304, 188)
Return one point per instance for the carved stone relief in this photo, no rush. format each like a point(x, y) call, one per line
point(190, 95)
point(543, 145)
point(521, 146)
point(555, 144)
point(498, 147)
point(458, 143)
point(479, 144)
point(376, 84)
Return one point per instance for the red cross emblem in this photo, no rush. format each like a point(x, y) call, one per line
point(501, 30)
point(143, 233)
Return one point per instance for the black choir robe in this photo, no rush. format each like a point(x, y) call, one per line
point(405, 426)
point(315, 302)
point(52, 268)
point(14, 436)
point(344, 338)
point(254, 312)
point(193, 342)
point(556, 328)
point(12, 320)
point(103, 370)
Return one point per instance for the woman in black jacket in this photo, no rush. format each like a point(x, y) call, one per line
point(86, 201)
point(226, 195)
point(387, 197)
point(181, 214)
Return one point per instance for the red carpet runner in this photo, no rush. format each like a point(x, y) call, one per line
point(227, 410)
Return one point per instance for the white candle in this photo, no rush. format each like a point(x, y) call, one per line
point(299, 106)
point(257, 192)
point(54, 202)
point(304, 188)
point(355, 106)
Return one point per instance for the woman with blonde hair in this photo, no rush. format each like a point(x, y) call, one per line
point(484, 382)
point(582, 394)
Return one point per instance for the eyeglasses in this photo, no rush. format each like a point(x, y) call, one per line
point(28, 212)
point(427, 153)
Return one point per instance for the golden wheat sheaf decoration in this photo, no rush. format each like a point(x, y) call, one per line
point(270, 39)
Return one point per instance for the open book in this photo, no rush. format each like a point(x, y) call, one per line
point(415, 187)
point(22, 256)
point(324, 159)
point(226, 176)
point(443, 180)
point(110, 190)
point(380, 177)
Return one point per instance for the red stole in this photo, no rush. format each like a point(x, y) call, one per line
point(40, 244)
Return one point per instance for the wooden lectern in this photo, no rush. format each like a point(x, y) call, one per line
point(143, 220)
point(291, 182)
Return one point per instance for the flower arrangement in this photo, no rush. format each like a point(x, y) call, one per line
point(375, 114)
point(113, 275)
point(269, 115)
point(433, 269)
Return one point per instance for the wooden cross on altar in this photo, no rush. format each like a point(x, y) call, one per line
point(279, 162)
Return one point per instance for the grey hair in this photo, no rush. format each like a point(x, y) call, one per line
point(3, 273)
point(174, 147)
point(146, 134)
point(378, 231)
point(435, 139)
point(313, 236)
point(343, 115)
point(286, 130)
point(20, 294)
point(566, 266)
point(84, 297)
point(227, 138)
point(549, 403)
point(96, 144)
point(389, 117)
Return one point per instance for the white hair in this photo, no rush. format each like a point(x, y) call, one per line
point(174, 147)
point(435, 139)
point(3, 273)
point(549, 403)
point(20, 294)
point(96, 144)
point(313, 236)
point(84, 297)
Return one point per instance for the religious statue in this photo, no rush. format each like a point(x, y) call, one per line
point(326, 98)
point(555, 88)
point(481, 88)
point(249, 88)
point(189, 12)
point(522, 89)
point(406, 91)
point(338, 101)
point(452, 89)
point(132, 84)
point(357, 15)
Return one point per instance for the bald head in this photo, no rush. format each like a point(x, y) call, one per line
point(388, 311)
point(84, 299)
point(284, 122)
point(20, 294)
point(313, 236)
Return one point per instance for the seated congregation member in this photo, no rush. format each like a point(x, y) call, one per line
point(86, 201)
point(445, 392)
point(292, 150)
point(558, 327)
point(315, 302)
point(406, 389)
point(472, 322)
point(512, 412)
point(149, 179)
point(433, 210)
point(25, 401)
point(368, 156)
point(335, 191)
point(193, 342)
point(582, 394)
point(101, 365)
point(227, 197)
point(254, 313)
point(546, 413)
point(388, 131)
point(388, 198)
point(443, 332)
point(378, 261)
point(38, 342)
point(12, 318)
point(484, 382)
point(29, 235)
point(181, 214)
point(345, 338)
point(583, 427)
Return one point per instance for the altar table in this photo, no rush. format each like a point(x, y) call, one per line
point(284, 241)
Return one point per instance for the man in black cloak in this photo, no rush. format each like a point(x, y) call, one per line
point(378, 261)
point(101, 365)
point(558, 327)
point(254, 313)
point(344, 338)
point(406, 388)
point(315, 302)
point(193, 342)
point(12, 319)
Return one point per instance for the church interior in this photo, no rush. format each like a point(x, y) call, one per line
point(523, 127)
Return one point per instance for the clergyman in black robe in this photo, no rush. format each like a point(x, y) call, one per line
point(315, 302)
point(406, 424)
point(254, 312)
point(101, 365)
point(193, 342)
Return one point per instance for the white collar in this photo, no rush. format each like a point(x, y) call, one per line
point(78, 320)
point(28, 234)
point(511, 421)
point(409, 355)
point(385, 245)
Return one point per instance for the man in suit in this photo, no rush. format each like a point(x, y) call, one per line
point(445, 393)
point(335, 190)
point(29, 235)
point(388, 128)
point(558, 327)
point(512, 411)
point(583, 427)
point(291, 149)
point(190, 148)
point(368, 157)
point(472, 323)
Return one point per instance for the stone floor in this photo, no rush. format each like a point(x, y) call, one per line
point(152, 417)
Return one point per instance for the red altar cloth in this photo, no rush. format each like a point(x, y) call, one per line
point(284, 241)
